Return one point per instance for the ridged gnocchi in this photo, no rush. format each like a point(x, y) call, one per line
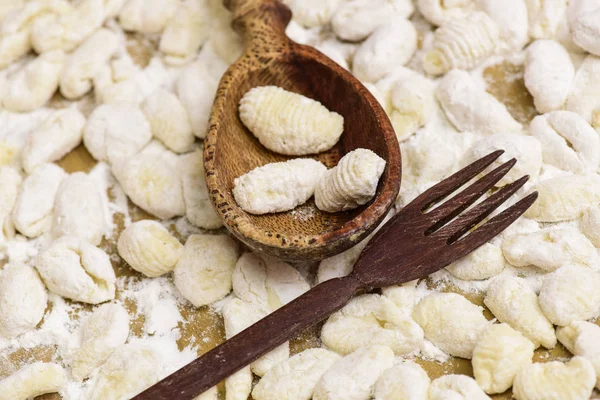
point(77, 270)
point(471, 108)
point(548, 74)
point(564, 198)
point(33, 380)
point(483, 263)
point(516, 304)
point(32, 213)
point(462, 43)
point(278, 187)
point(239, 385)
point(583, 18)
point(353, 377)
point(568, 141)
point(149, 248)
point(289, 123)
point(139, 16)
point(350, 184)
point(102, 333)
point(412, 104)
point(499, 355)
point(590, 224)
point(584, 340)
point(23, 300)
point(555, 380)
point(584, 97)
point(451, 322)
point(55, 137)
point(456, 387)
point(311, 13)
point(169, 121)
point(295, 378)
point(438, 12)
point(371, 319)
point(10, 181)
point(203, 273)
point(406, 381)
point(184, 33)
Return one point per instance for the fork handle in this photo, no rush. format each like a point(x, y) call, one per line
point(255, 341)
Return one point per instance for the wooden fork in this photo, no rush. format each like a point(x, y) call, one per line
point(416, 242)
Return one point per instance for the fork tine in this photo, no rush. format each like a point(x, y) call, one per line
point(493, 227)
point(453, 182)
point(469, 219)
point(442, 214)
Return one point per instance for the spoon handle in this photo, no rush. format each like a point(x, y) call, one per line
point(261, 22)
point(257, 340)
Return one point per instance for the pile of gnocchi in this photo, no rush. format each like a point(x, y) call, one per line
point(73, 82)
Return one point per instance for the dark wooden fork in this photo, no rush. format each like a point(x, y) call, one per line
point(416, 242)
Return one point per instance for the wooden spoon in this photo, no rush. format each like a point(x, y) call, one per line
point(271, 58)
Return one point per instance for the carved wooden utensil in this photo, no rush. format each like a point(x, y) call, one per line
point(416, 242)
point(231, 150)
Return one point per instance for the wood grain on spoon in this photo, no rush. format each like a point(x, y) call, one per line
point(271, 58)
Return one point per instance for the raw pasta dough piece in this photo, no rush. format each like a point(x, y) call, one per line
point(555, 380)
point(33, 85)
point(196, 89)
point(23, 300)
point(149, 248)
point(184, 33)
point(152, 180)
point(198, 208)
point(407, 381)
point(456, 387)
point(570, 294)
point(545, 17)
point(550, 249)
point(526, 149)
point(462, 43)
point(54, 138)
point(499, 355)
point(388, 47)
point(403, 296)
point(451, 322)
point(210, 394)
point(564, 198)
point(32, 214)
point(584, 21)
point(6, 6)
point(312, 13)
point(80, 209)
point(584, 340)
point(114, 133)
point(139, 16)
point(412, 104)
point(295, 378)
point(512, 21)
point(483, 263)
point(568, 141)
point(350, 184)
point(131, 369)
point(239, 385)
point(438, 12)
point(471, 108)
point(548, 74)
point(515, 303)
point(10, 181)
point(371, 319)
point(584, 98)
point(278, 186)
point(77, 270)
point(590, 224)
point(354, 376)
point(33, 380)
point(203, 274)
point(339, 265)
point(102, 333)
point(289, 123)
point(169, 121)
point(84, 63)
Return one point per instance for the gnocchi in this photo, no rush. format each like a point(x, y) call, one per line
point(516, 304)
point(512, 21)
point(371, 319)
point(77, 270)
point(239, 385)
point(583, 18)
point(470, 108)
point(499, 355)
point(184, 33)
point(196, 90)
point(296, 377)
point(544, 17)
point(440, 12)
point(10, 181)
point(33, 85)
point(149, 248)
point(590, 224)
point(354, 376)
point(456, 387)
point(555, 380)
point(548, 74)
point(102, 333)
point(54, 138)
point(312, 13)
point(412, 104)
point(32, 213)
point(462, 43)
point(568, 141)
point(584, 98)
point(203, 273)
point(23, 300)
point(341, 264)
point(289, 123)
point(350, 184)
point(139, 16)
point(169, 121)
point(278, 187)
point(483, 263)
point(33, 380)
point(407, 381)
point(583, 338)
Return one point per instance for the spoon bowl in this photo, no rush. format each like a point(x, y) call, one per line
point(230, 150)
